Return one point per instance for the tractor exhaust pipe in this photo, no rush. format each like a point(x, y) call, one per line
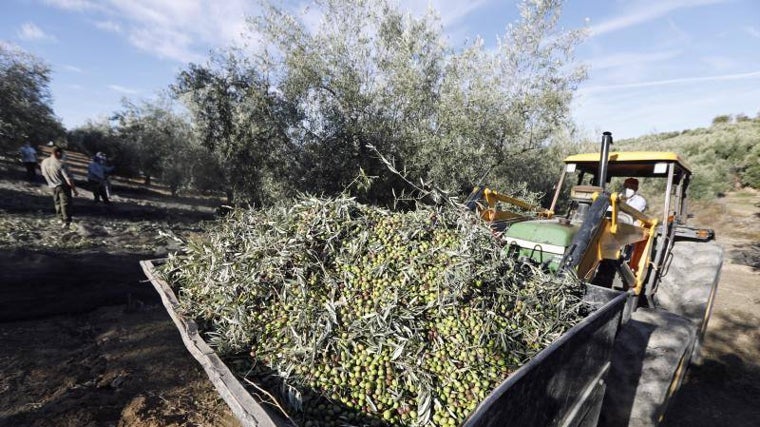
point(604, 159)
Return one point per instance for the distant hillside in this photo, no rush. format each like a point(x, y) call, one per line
point(723, 156)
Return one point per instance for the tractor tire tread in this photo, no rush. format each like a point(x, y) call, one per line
point(651, 353)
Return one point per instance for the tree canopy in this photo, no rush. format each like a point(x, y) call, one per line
point(25, 102)
point(312, 108)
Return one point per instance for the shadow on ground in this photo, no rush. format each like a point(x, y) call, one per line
point(731, 373)
point(747, 255)
point(44, 283)
point(21, 202)
point(113, 366)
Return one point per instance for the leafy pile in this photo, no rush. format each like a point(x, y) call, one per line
point(353, 314)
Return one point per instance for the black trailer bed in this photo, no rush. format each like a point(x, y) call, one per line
point(562, 386)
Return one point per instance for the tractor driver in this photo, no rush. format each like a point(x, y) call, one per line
point(632, 197)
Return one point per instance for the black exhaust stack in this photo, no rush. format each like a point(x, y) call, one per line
point(604, 159)
point(591, 217)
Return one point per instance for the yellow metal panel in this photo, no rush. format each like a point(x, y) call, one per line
point(631, 156)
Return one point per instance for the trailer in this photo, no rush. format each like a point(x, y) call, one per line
point(563, 385)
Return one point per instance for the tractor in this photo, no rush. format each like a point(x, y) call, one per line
point(669, 269)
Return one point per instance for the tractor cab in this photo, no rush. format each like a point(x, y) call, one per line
point(600, 236)
point(667, 166)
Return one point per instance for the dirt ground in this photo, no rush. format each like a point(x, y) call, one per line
point(84, 341)
point(725, 389)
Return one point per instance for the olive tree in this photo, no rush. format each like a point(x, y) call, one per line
point(502, 109)
point(101, 136)
point(150, 139)
point(371, 81)
point(243, 122)
point(25, 102)
point(153, 132)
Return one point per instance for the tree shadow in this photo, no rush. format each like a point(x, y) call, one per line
point(40, 284)
point(23, 202)
point(725, 389)
point(156, 194)
point(35, 196)
point(92, 380)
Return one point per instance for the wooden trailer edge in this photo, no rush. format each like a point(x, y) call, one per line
point(246, 409)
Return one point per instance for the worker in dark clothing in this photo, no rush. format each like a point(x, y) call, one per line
point(97, 177)
point(29, 158)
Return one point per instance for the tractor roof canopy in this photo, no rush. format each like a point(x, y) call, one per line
point(643, 164)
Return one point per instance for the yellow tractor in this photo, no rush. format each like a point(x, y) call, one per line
point(669, 269)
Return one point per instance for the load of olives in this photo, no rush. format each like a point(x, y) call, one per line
point(355, 315)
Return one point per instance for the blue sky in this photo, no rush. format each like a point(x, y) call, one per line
point(655, 65)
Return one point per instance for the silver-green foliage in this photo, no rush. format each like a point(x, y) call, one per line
point(366, 314)
point(101, 136)
point(162, 144)
point(152, 139)
point(370, 74)
point(26, 112)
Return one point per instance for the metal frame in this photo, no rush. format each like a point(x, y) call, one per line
point(663, 233)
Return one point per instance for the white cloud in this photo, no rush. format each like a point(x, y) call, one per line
point(184, 30)
point(631, 113)
point(109, 26)
point(720, 63)
point(31, 32)
point(724, 77)
point(165, 43)
point(72, 68)
point(752, 31)
point(180, 30)
point(454, 11)
point(630, 58)
point(646, 12)
point(124, 90)
point(78, 5)
point(676, 36)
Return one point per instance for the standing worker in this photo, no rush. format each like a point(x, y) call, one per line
point(29, 158)
point(97, 177)
point(58, 178)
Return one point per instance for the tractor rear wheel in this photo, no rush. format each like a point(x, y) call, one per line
point(654, 348)
point(649, 360)
point(689, 284)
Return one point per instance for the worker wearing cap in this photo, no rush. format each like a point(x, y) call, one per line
point(97, 177)
point(632, 197)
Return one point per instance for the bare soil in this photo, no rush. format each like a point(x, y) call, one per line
point(84, 341)
point(725, 389)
